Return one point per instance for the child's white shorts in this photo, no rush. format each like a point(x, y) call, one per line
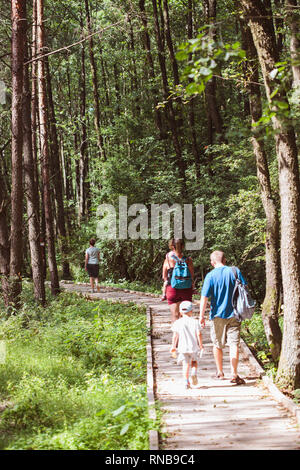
point(187, 358)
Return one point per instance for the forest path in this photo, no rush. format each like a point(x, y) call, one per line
point(213, 415)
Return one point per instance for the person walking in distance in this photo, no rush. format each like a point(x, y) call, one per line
point(92, 258)
point(218, 286)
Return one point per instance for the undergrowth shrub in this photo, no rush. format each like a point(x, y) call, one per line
point(74, 376)
point(254, 335)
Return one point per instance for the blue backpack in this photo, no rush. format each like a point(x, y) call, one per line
point(181, 276)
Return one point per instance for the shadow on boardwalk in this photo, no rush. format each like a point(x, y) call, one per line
point(213, 415)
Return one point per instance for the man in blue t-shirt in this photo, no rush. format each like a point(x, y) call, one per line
point(218, 285)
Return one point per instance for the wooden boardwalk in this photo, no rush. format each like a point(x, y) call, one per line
point(214, 415)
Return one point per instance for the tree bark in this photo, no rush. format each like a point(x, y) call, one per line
point(147, 47)
point(104, 75)
point(97, 119)
point(170, 42)
point(271, 304)
point(18, 17)
point(279, 23)
point(45, 164)
point(180, 163)
point(56, 176)
point(287, 155)
point(4, 241)
point(214, 116)
point(83, 184)
point(34, 126)
point(293, 19)
point(191, 111)
point(34, 93)
point(69, 181)
point(32, 195)
point(134, 75)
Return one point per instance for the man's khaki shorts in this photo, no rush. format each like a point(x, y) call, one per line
point(225, 330)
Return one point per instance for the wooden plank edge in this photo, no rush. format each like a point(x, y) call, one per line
point(153, 434)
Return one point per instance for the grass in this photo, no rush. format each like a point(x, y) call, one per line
point(74, 376)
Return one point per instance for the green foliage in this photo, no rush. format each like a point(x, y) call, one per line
point(69, 370)
point(253, 333)
point(296, 394)
point(208, 58)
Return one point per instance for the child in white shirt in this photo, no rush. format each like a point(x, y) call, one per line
point(187, 334)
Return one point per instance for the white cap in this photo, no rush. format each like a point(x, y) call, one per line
point(186, 306)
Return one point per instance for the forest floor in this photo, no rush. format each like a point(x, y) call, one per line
point(215, 414)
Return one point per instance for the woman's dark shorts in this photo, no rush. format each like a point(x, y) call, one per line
point(178, 295)
point(93, 270)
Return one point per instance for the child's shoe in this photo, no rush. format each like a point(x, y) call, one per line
point(194, 379)
point(187, 385)
point(173, 353)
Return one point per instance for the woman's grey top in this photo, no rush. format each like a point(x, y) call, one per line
point(92, 252)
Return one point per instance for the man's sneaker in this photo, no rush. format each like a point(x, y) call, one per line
point(194, 379)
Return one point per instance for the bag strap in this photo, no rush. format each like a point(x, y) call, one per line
point(167, 259)
point(184, 258)
point(233, 268)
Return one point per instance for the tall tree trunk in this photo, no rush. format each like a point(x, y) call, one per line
point(134, 74)
point(97, 119)
point(18, 17)
point(32, 195)
point(271, 304)
point(104, 75)
point(170, 42)
point(293, 19)
point(34, 126)
point(56, 177)
point(34, 92)
point(147, 47)
point(44, 139)
point(214, 116)
point(4, 240)
point(278, 23)
point(286, 149)
point(178, 110)
point(180, 163)
point(191, 110)
point(69, 182)
point(117, 89)
point(83, 185)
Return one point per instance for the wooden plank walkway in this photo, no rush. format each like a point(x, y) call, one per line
point(214, 415)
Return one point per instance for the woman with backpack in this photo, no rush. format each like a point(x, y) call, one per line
point(178, 274)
